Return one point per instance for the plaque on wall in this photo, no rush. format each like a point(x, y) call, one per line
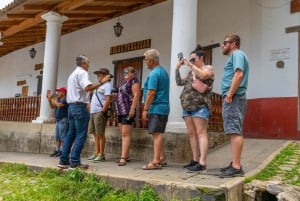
point(295, 6)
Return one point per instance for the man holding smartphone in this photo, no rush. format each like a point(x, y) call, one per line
point(60, 105)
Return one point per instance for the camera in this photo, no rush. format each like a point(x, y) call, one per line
point(180, 55)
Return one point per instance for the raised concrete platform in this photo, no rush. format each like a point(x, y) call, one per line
point(174, 182)
point(39, 139)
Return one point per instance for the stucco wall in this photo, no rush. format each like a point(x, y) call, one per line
point(261, 25)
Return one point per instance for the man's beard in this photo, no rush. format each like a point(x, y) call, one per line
point(226, 51)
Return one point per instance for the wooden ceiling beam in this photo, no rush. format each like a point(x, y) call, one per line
point(102, 8)
point(24, 38)
point(85, 16)
point(9, 23)
point(18, 41)
point(37, 7)
point(31, 34)
point(71, 4)
point(78, 21)
point(126, 1)
point(25, 16)
point(33, 30)
point(24, 25)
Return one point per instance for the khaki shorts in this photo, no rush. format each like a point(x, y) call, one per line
point(97, 123)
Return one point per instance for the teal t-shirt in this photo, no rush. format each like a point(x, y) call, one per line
point(158, 80)
point(237, 60)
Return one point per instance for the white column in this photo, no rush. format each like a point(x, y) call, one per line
point(52, 42)
point(184, 39)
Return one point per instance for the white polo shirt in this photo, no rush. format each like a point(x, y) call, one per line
point(77, 81)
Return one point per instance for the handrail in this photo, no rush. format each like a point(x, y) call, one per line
point(26, 109)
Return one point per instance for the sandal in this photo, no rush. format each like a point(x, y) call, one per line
point(152, 166)
point(120, 163)
point(163, 162)
point(127, 159)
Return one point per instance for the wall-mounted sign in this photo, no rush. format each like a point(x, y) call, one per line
point(143, 44)
point(39, 66)
point(295, 6)
point(280, 54)
point(21, 82)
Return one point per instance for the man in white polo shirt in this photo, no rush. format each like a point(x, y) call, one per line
point(79, 86)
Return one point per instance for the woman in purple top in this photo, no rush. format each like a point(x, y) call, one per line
point(127, 101)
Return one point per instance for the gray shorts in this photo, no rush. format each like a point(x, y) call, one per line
point(233, 114)
point(157, 123)
point(97, 123)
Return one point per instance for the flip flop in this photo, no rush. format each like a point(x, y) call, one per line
point(152, 166)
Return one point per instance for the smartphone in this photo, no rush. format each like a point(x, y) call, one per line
point(48, 91)
point(180, 55)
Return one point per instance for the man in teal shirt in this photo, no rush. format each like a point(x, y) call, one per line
point(234, 87)
point(156, 107)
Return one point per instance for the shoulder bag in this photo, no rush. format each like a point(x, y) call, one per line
point(198, 84)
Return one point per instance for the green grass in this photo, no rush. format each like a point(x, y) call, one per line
point(286, 165)
point(18, 183)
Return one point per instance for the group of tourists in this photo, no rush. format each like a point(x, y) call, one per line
point(84, 107)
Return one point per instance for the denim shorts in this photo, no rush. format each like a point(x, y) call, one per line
point(97, 123)
point(61, 129)
point(233, 114)
point(157, 123)
point(202, 113)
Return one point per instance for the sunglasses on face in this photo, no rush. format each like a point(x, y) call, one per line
point(226, 41)
point(125, 72)
point(192, 60)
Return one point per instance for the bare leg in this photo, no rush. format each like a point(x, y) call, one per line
point(201, 128)
point(158, 146)
point(102, 142)
point(125, 142)
point(237, 143)
point(162, 151)
point(193, 137)
point(97, 143)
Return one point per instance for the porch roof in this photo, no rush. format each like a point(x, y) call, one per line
point(21, 24)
